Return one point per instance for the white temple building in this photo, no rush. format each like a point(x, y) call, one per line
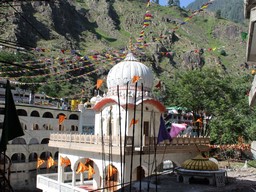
point(122, 146)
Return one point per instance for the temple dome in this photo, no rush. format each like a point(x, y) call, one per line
point(200, 163)
point(124, 71)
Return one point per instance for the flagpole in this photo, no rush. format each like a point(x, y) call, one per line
point(133, 130)
point(120, 133)
point(141, 132)
point(125, 129)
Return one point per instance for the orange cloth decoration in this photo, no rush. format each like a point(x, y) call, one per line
point(64, 161)
point(90, 172)
point(61, 119)
point(39, 162)
point(111, 171)
point(50, 162)
point(81, 168)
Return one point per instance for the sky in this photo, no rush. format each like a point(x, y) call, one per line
point(182, 2)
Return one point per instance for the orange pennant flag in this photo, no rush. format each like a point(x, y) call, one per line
point(133, 122)
point(64, 161)
point(99, 83)
point(61, 119)
point(81, 168)
point(39, 162)
point(135, 78)
point(90, 172)
point(50, 162)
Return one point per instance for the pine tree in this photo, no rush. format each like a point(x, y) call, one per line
point(170, 2)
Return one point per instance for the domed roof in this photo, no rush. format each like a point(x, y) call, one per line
point(200, 163)
point(124, 71)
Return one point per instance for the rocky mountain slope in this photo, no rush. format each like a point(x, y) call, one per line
point(229, 9)
point(56, 33)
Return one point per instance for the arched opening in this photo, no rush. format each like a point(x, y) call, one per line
point(35, 127)
point(73, 116)
point(85, 169)
point(18, 158)
point(21, 112)
point(18, 141)
point(23, 125)
point(60, 114)
point(45, 155)
point(32, 157)
point(47, 115)
point(45, 127)
point(61, 127)
point(74, 128)
point(111, 177)
point(34, 114)
point(45, 141)
point(33, 141)
point(140, 173)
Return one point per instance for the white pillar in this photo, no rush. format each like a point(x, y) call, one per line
point(97, 182)
point(82, 178)
point(73, 178)
point(60, 172)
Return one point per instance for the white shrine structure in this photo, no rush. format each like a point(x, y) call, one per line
point(122, 147)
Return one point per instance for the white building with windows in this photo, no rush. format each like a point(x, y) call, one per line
point(123, 145)
point(38, 119)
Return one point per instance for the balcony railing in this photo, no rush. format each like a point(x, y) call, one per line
point(49, 182)
point(115, 140)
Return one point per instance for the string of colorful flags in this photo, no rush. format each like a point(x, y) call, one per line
point(112, 56)
point(194, 13)
point(55, 70)
point(13, 80)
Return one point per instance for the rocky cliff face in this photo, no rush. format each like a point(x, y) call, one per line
point(101, 25)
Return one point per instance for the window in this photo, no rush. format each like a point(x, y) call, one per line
point(146, 128)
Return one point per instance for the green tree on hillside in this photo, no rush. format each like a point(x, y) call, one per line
point(221, 96)
point(218, 14)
